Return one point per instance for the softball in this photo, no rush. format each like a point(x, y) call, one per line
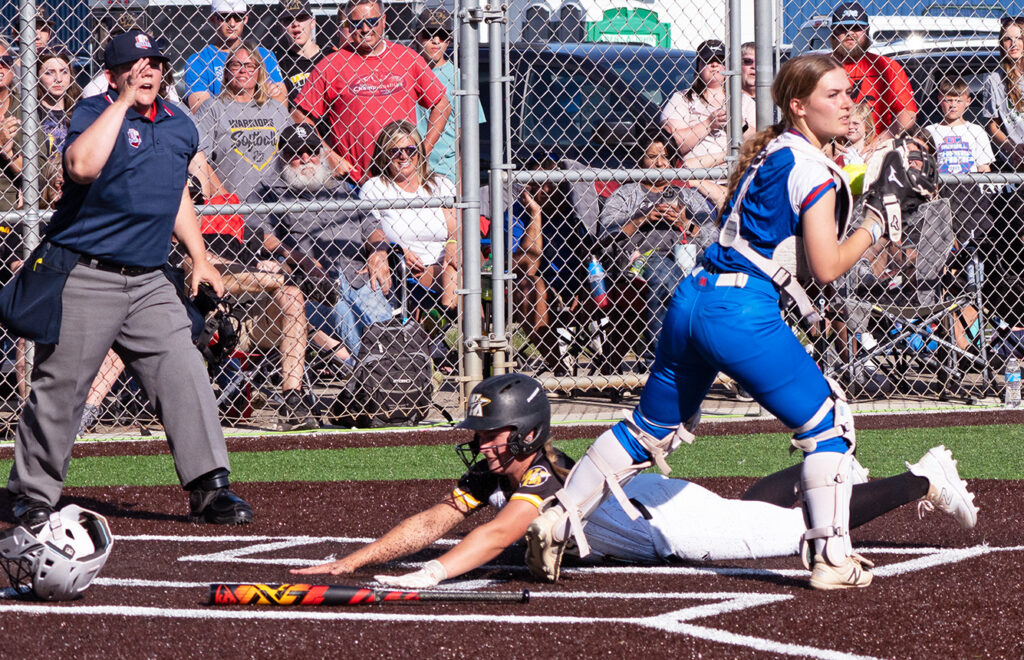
point(856, 174)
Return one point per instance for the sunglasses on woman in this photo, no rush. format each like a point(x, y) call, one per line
point(395, 152)
point(370, 22)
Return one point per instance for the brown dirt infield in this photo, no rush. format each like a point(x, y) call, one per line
point(940, 592)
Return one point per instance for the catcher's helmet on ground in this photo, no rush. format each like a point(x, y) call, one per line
point(510, 400)
point(60, 560)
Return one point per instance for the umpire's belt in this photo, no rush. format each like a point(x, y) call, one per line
point(705, 278)
point(111, 267)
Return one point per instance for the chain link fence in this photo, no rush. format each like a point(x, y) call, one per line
point(363, 222)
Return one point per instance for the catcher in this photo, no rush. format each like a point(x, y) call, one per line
point(513, 466)
point(725, 317)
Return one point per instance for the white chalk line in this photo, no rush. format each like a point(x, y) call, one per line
point(674, 621)
point(669, 622)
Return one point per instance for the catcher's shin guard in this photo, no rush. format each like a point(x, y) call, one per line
point(827, 485)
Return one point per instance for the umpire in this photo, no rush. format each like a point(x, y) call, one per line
point(124, 195)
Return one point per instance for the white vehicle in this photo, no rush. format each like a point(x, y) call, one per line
point(891, 35)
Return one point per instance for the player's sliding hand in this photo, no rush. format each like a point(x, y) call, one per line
point(428, 576)
point(339, 567)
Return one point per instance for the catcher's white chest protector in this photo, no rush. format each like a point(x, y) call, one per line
point(787, 259)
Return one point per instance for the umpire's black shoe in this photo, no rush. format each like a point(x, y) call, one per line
point(30, 512)
point(211, 501)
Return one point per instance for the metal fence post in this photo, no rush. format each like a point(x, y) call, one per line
point(497, 125)
point(30, 145)
point(765, 56)
point(734, 79)
point(469, 74)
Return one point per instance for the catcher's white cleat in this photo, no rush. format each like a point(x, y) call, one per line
point(853, 573)
point(947, 491)
point(543, 551)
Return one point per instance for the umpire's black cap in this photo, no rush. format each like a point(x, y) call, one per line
point(130, 46)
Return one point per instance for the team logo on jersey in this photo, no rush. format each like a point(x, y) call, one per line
point(134, 139)
point(476, 405)
point(535, 476)
point(142, 42)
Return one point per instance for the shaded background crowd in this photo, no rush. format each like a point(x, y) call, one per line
point(300, 108)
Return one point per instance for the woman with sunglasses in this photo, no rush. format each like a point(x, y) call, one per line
point(427, 236)
point(239, 128)
point(697, 118)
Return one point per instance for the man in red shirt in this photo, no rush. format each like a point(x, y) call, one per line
point(366, 84)
point(876, 79)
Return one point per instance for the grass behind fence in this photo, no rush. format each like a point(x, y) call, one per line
point(984, 452)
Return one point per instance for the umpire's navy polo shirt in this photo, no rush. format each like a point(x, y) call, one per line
point(127, 214)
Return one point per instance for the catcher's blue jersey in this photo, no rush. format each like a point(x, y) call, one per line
point(714, 326)
point(786, 185)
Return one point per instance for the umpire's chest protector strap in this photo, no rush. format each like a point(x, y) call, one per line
point(782, 277)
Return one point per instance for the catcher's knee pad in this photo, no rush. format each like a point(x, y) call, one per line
point(827, 484)
point(660, 447)
point(842, 422)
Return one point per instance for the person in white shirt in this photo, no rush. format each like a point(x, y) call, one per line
point(427, 236)
point(960, 146)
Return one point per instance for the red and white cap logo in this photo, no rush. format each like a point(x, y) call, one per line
point(142, 42)
point(134, 139)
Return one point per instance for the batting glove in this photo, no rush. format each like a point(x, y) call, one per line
point(428, 576)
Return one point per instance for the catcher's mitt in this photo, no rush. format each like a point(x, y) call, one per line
point(902, 176)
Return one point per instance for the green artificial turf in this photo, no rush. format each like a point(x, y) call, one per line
point(984, 452)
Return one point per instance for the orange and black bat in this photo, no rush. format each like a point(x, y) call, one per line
point(288, 595)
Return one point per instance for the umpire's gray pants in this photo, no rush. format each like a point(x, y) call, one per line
point(144, 320)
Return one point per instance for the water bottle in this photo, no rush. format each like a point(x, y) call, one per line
point(1012, 394)
point(598, 287)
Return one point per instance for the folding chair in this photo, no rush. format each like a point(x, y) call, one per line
point(913, 312)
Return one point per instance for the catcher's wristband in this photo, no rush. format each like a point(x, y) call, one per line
point(873, 228)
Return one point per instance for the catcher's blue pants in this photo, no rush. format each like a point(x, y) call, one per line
point(737, 330)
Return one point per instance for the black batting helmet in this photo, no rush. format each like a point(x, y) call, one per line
point(510, 400)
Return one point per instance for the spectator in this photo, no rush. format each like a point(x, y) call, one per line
point(427, 236)
point(365, 84)
point(697, 118)
point(301, 52)
point(655, 229)
point(876, 79)
point(44, 30)
point(860, 139)
point(57, 95)
point(239, 129)
point(275, 315)
point(434, 36)
point(10, 133)
point(748, 78)
point(1003, 94)
point(960, 146)
point(336, 240)
point(204, 71)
